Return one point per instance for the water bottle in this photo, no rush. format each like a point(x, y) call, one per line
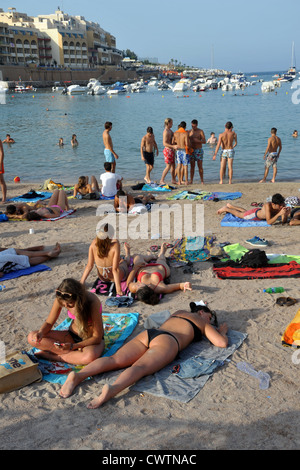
point(272, 290)
point(2, 288)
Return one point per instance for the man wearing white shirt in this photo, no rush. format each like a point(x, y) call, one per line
point(111, 182)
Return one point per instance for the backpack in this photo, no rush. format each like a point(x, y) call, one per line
point(254, 259)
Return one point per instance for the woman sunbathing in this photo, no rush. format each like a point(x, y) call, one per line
point(83, 189)
point(83, 342)
point(56, 206)
point(14, 259)
point(150, 351)
point(104, 252)
point(151, 276)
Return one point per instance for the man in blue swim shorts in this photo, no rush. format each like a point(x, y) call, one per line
point(197, 139)
point(272, 154)
point(110, 155)
point(227, 142)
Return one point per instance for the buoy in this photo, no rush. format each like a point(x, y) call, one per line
point(17, 179)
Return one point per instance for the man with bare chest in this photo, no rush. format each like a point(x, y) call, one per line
point(197, 139)
point(227, 142)
point(271, 155)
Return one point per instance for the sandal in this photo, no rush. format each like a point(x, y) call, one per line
point(154, 248)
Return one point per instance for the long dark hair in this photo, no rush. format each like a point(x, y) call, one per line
point(82, 303)
point(147, 295)
point(203, 308)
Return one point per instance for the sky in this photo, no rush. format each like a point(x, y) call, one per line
point(253, 36)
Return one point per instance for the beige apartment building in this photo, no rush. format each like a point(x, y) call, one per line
point(58, 40)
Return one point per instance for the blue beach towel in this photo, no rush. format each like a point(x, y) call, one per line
point(230, 220)
point(154, 187)
point(25, 272)
point(117, 328)
point(42, 195)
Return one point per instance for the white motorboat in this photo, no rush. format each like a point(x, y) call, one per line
point(23, 89)
point(227, 87)
point(138, 87)
point(181, 85)
point(164, 85)
point(3, 87)
point(117, 89)
point(76, 90)
point(153, 81)
point(95, 88)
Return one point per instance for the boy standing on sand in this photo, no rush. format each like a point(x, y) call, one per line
point(272, 154)
point(2, 182)
point(109, 153)
point(227, 141)
point(148, 144)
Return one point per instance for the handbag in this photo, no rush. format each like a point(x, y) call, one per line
point(17, 371)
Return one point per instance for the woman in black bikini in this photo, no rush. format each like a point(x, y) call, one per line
point(151, 276)
point(150, 351)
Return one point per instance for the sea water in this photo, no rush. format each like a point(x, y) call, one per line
point(36, 120)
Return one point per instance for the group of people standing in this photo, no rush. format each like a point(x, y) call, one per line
point(183, 149)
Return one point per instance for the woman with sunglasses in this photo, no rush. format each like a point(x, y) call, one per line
point(151, 350)
point(83, 342)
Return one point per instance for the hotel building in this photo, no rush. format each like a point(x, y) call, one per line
point(57, 39)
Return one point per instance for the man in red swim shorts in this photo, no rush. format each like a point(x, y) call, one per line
point(2, 182)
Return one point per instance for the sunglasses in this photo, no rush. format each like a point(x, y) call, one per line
point(65, 295)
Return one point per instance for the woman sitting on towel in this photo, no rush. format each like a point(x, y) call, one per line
point(104, 252)
point(151, 350)
point(83, 342)
point(83, 189)
point(151, 276)
point(56, 206)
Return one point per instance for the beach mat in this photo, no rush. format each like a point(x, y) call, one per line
point(192, 249)
point(25, 272)
point(117, 328)
point(201, 357)
point(229, 220)
point(62, 216)
point(291, 336)
point(42, 195)
point(155, 187)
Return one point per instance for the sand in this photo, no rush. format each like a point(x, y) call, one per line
point(230, 412)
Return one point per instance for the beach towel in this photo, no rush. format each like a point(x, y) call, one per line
point(155, 187)
point(25, 272)
point(205, 196)
point(229, 220)
point(273, 271)
point(41, 195)
point(291, 336)
point(192, 249)
point(117, 328)
point(62, 216)
point(186, 376)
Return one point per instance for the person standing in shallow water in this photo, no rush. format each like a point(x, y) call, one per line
point(271, 155)
point(169, 151)
point(148, 146)
point(227, 142)
point(2, 182)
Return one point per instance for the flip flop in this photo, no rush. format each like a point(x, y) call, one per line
point(154, 248)
point(290, 301)
point(281, 301)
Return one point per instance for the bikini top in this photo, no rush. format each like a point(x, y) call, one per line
point(157, 273)
point(197, 332)
point(73, 316)
point(105, 270)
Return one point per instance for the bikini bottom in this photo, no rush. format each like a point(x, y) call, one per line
point(153, 333)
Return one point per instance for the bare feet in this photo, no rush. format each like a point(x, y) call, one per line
point(55, 252)
point(222, 210)
point(127, 248)
point(69, 385)
point(185, 286)
point(106, 394)
point(262, 181)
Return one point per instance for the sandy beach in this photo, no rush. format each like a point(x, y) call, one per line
point(230, 412)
